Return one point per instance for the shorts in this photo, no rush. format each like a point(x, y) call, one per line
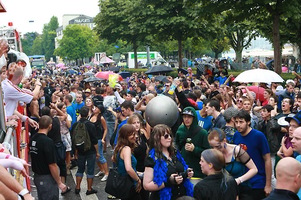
point(66, 139)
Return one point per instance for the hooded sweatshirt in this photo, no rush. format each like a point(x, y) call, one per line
point(198, 137)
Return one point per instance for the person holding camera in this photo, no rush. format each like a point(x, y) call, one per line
point(191, 140)
point(166, 174)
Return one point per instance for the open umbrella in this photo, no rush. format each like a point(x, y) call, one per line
point(258, 91)
point(125, 74)
point(159, 69)
point(161, 78)
point(71, 71)
point(258, 76)
point(114, 69)
point(184, 71)
point(88, 74)
point(106, 74)
point(92, 79)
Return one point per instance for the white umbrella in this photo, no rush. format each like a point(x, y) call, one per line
point(258, 76)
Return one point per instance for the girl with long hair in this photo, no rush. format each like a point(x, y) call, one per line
point(101, 131)
point(124, 159)
point(166, 174)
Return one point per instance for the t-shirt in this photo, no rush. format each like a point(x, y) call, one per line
point(77, 106)
point(71, 111)
point(257, 147)
point(42, 152)
point(12, 95)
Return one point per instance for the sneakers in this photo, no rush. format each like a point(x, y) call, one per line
point(92, 191)
point(100, 173)
point(77, 191)
point(104, 178)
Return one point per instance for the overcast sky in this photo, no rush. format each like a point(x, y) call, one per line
point(21, 12)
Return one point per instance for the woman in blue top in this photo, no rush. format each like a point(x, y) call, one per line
point(123, 156)
point(238, 162)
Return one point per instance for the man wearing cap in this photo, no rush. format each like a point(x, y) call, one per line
point(88, 93)
point(191, 140)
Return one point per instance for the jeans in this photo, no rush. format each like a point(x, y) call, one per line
point(81, 162)
point(101, 159)
point(110, 126)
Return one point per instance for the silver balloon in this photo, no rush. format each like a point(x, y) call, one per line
point(161, 110)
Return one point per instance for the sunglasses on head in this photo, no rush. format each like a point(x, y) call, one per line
point(167, 135)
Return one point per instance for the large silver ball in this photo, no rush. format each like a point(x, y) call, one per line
point(161, 110)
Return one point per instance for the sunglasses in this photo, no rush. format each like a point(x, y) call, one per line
point(167, 85)
point(166, 136)
point(240, 101)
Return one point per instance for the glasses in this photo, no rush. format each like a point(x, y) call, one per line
point(166, 136)
point(240, 101)
point(167, 85)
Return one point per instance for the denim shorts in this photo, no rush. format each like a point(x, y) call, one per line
point(66, 139)
point(81, 163)
point(101, 158)
point(47, 187)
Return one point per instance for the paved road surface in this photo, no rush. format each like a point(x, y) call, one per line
point(97, 184)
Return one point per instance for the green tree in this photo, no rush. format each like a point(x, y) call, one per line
point(173, 20)
point(48, 38)
point(27, 42)
point(121, 20)
point(37, 47)
point(261, 12)
point(78, 42)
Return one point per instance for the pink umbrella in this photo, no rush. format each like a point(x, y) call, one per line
point(258, 91)
point(105, 75)
point(60, 65)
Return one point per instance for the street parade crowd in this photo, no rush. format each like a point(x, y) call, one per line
point(225, 143)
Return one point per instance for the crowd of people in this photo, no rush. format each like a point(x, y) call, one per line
point(225, 139)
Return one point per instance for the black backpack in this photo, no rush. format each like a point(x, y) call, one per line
point(81, 138)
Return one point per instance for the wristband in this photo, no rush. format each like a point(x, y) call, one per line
point(24, 118)
point(23, 192)
point(241, 180)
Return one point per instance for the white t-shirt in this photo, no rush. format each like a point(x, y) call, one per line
point(12, 95)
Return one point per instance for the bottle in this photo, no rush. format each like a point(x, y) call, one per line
point(172, 87)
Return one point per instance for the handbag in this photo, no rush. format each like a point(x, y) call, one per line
point(118, 185)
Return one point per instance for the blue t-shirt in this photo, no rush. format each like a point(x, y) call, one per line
point(205, 123)
point(257, 147)
point(118, 128)
point(77, 107)
point(71, 112)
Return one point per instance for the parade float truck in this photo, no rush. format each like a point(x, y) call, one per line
point(142, 58)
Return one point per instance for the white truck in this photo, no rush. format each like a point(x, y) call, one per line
point(142, 58)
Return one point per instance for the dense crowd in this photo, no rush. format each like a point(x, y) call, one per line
point(226, 141)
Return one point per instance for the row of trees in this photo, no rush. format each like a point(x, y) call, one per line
point(196, 27)
point(219, 23)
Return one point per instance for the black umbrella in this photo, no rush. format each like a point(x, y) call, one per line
point(89, 74)
point(161, 78)
point(159, 69)
point(184, 71)
point(92, 79)
point(124, 75)
point(114, 69)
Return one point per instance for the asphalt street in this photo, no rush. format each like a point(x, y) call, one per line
point(97, 184)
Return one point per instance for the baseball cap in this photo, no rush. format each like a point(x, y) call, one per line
point(188, 112)
point(118, 86)
point(296, 117)
point(290, 81)
point(88, 90)
point(117, 109)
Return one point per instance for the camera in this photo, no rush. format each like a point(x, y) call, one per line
point(184, 174)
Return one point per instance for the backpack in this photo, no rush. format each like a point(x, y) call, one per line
point(81, 138)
